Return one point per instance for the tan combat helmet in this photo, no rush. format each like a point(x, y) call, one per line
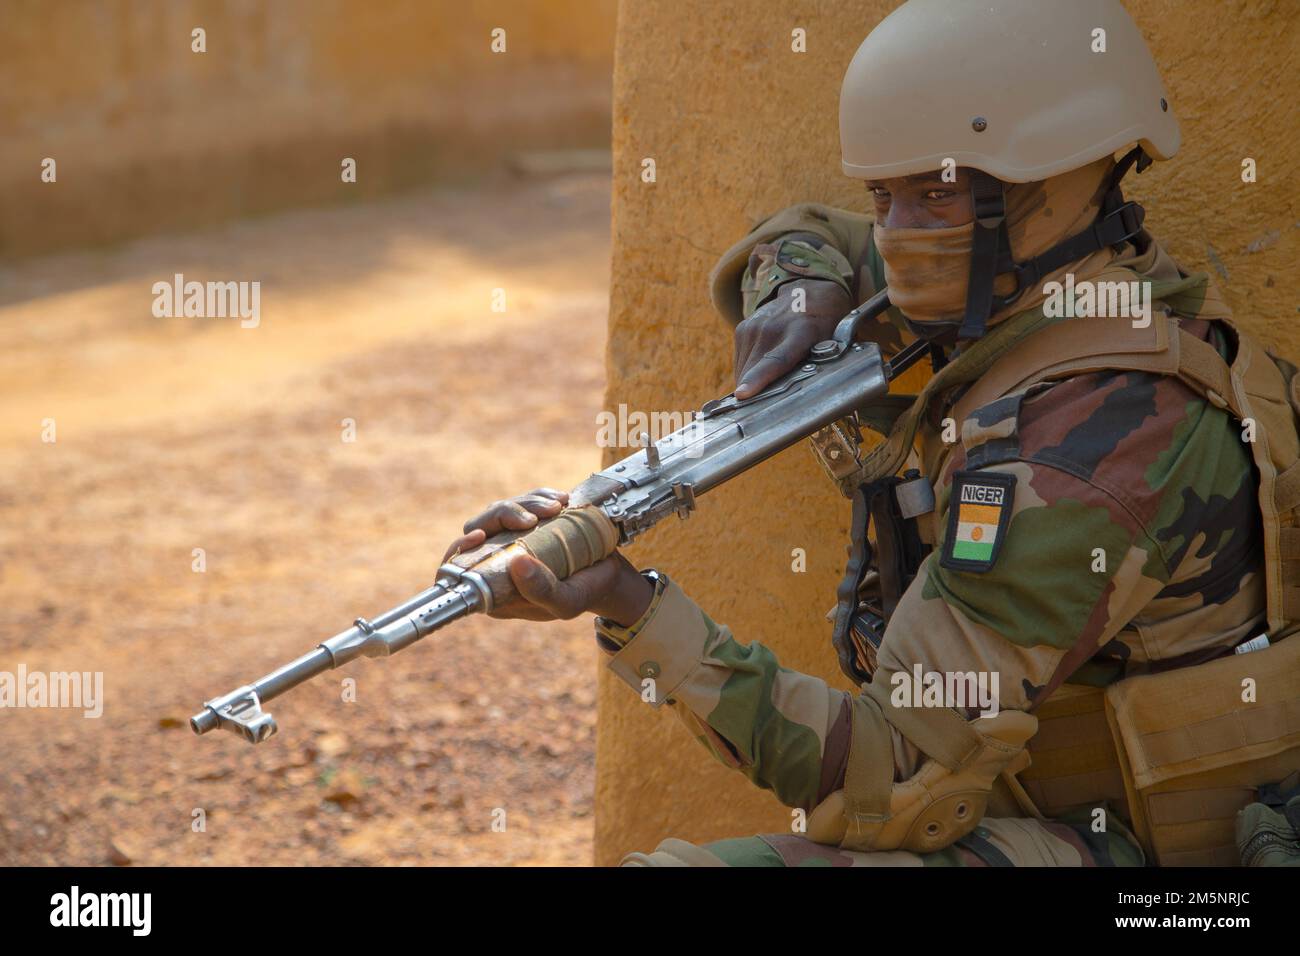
point(1016, 91)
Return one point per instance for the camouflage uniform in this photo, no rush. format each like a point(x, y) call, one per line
point(1134, 464)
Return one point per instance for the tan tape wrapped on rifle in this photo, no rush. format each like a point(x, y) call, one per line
point(574, 539)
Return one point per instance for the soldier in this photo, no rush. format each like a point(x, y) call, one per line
point(1074, 513)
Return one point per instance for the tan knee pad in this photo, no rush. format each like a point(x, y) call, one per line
point(932, 809)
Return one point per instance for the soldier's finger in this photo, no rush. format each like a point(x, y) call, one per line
point(562, 599)
point(540, 505)
point(537, 585)
point(766, 338)
point(466, 542)
point(755, 335)
point(765, 371)
point(744, 346)
point(502, 515)
point(587, 586)
point(796, 339)
point(560, 496)
point(520, 610)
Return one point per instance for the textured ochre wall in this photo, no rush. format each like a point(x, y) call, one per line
point(738, 126)
point(149, 135)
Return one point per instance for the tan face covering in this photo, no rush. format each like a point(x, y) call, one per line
point(927, 270)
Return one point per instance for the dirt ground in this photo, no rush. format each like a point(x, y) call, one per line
point(177, 434)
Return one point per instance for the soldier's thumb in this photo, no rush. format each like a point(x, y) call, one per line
point(534, 580)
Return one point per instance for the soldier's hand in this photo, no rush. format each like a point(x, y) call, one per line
point(612, 588)
point(776, 338)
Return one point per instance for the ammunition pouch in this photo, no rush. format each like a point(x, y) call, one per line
point(1178, 754)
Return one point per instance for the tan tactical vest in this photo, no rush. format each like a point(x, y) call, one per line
point(1178, 753)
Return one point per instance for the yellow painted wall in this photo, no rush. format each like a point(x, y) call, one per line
point(739, 126)
point(149, 135)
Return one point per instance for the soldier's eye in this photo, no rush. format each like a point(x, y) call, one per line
point(935, 195)
point(878, 192)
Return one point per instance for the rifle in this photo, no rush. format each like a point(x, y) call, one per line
point(609, 509)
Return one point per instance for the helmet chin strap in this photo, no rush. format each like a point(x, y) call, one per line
point(990, 243)
point(1117, 222)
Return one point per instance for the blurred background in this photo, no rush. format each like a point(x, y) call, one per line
point(186, 503)
point(150, 135)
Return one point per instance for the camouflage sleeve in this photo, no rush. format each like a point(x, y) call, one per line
point(787, 732)
point(808, 240)
point(788, 258)
point(1099, 527)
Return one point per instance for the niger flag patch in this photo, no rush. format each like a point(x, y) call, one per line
point(979, 511)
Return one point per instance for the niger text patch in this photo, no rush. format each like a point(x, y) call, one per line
point(978, 514)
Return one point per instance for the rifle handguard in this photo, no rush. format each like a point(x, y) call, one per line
point(574, 539)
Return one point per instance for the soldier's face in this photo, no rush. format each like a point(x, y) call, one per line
point(923, 201)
